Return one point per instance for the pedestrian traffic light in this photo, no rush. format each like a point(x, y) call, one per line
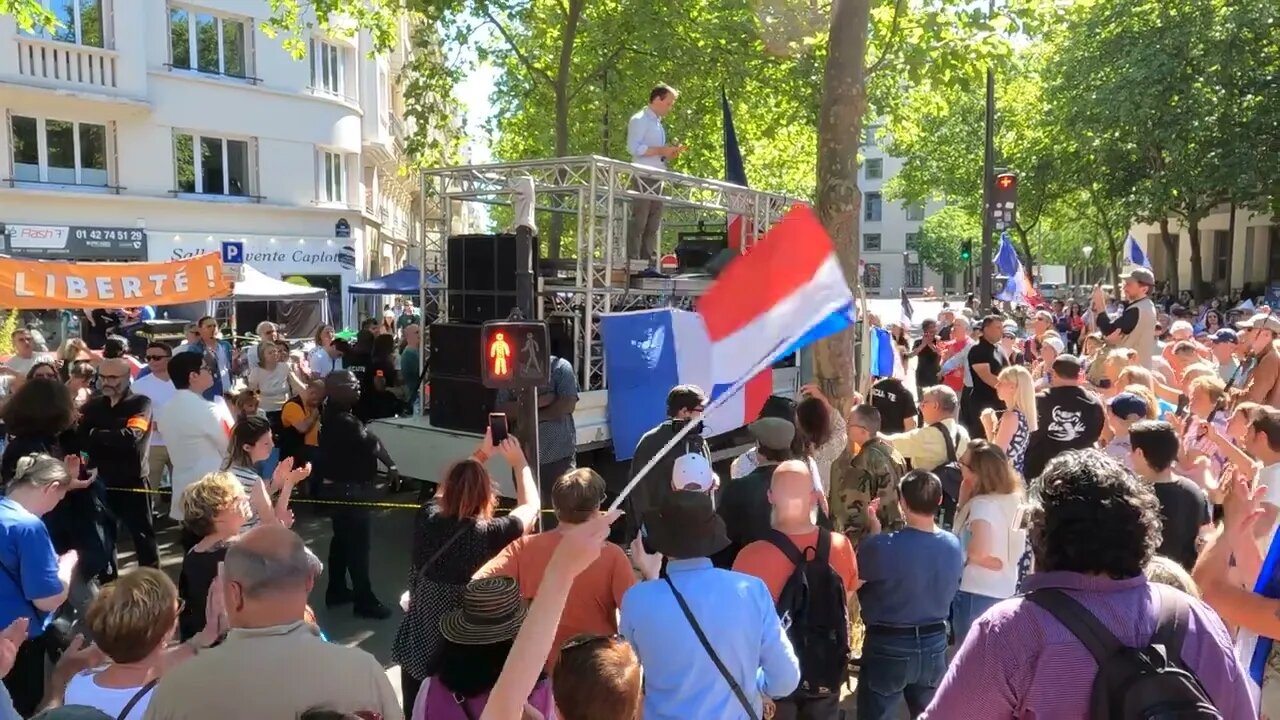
point(515, 354)
point(966, 251)
point(1004, 201)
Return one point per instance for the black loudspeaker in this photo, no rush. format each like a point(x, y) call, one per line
point(483, 263)
point(460, 404)
point(469, 306)
point(454, 351)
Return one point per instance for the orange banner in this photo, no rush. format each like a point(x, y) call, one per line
point(38, 284)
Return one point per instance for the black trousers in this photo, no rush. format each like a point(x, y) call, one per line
point(25, 681)
point(133, 510)
point(548, 473)
point(349, 553)
point(823, 708)
point(409, 687)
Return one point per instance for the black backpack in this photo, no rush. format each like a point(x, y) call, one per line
point(815, 610)
point(1150, 683)
point(951, 477)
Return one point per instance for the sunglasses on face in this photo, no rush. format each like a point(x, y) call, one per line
point(154, 358)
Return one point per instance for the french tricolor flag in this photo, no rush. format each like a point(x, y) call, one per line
point(786, 293)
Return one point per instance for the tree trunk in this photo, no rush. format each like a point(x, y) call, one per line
point(839, 201)
point(1197, 261)
point(1231, 250)
point(1170, 255)
point(1113, 255)
point(564, 76)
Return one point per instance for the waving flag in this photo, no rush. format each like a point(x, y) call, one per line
point(1133, 253)
point(788, 292)
point(907, 310)
point(735, 172)
point(1018, 289)
point(1268, 586)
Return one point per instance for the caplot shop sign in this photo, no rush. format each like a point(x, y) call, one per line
point(344, 257)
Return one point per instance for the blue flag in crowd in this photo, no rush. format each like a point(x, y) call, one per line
point(882, 352)
point(1133, 253)
point(1268, 586)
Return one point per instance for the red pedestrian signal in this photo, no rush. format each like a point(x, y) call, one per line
point(1004, 201)
point(515, 354)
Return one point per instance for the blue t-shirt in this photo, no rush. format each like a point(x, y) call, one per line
point(26, 552)
point(910, 576)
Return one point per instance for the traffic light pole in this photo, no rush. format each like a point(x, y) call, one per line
point(988, 174)
point(527, 417)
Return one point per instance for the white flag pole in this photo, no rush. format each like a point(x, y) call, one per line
point(680, 435)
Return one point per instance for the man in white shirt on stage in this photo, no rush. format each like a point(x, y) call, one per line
point(647, 142)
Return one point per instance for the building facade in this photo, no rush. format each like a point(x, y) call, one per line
point(151, 130)
point(889, 229)
point(1247, 259)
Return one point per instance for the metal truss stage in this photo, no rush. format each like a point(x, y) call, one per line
point(593, 196)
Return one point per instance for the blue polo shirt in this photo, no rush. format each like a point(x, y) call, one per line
point(909, 576)
point(30, 567)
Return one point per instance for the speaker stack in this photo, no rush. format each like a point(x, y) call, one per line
point(481, 286)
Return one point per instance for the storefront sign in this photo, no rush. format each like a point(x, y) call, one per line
point(33, 284)
point(63, 242)
point(274, 256)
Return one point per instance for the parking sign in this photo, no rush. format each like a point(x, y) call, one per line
point(232, 252)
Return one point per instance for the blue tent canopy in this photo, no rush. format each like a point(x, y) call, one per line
point(404, 281)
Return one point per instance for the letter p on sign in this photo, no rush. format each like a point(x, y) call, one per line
point(232, 252)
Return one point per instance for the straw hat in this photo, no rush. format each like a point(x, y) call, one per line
point(492, 611)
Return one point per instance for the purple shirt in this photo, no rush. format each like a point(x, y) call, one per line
point(1019, 662)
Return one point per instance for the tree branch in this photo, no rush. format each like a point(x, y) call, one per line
point(604, 64)
point(511, 42)
point(894, 28)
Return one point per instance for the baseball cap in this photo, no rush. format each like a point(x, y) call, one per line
point(1225, 335)
point(1262, 321)
point(776, 426)
point(1126, 405)
point(692, 471)
point(1141, 275)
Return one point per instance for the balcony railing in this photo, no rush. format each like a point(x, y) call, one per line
point(55, 62)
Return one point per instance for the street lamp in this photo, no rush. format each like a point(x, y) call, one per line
point(1088, 251)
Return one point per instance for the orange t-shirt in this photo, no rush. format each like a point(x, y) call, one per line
point(767, 562)
point(594, 599)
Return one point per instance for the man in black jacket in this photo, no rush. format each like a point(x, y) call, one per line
point(683, 402)
point(1070, 417)
point(745, 504)
point(115, 431)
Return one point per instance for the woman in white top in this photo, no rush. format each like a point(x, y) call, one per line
point(132, 621)
point(989, 523)
point(325, 358)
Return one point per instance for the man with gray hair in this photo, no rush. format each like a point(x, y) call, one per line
point(265, 581)
point(926, 447)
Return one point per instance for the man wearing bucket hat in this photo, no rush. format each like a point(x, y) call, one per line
point(729, 651)
point(1263, 385)
point(1136, 325)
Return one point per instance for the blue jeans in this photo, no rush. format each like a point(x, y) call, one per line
point(896, 667)
point(965, 608)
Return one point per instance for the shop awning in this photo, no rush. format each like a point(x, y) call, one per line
point(405, 281)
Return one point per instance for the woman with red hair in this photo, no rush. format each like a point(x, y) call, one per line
point(455, 534)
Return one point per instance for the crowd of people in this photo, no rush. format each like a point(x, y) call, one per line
point(1062, 514)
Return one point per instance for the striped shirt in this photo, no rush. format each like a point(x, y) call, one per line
point(248, 477)
point(1019, 662)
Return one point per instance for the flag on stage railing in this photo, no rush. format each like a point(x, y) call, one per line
point(906, 307)
point(1133, 254)
point(786, 293)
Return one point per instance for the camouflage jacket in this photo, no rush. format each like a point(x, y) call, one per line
point(873, 472)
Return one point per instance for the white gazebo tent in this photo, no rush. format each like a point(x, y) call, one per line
point(257, 287)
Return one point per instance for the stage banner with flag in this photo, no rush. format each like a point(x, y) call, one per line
point(37, 284)
point(785, 294)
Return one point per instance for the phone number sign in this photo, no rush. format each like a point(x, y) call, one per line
point(73, 242)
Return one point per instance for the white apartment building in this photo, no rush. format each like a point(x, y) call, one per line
point(889, 229)
point(1249, 257)
point(154, 129)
